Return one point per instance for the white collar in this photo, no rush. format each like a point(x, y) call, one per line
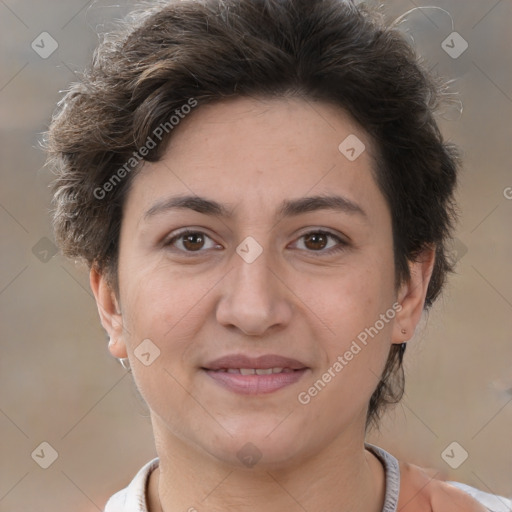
point(133, 497)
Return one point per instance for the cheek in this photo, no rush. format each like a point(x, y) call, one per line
point(161, 301)
point(357, 308)
point(163, 308)
point(353, 354)
point(353, 299)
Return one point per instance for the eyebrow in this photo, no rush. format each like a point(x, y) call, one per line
point(288, 208)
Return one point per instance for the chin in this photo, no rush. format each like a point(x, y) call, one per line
point(260, 446)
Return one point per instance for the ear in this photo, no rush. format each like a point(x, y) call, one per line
point(109, 311)
point(411, 296)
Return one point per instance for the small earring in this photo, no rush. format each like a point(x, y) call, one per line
point(404, 331)
point(125, 363)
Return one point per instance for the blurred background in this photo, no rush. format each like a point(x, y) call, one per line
point(73, 428)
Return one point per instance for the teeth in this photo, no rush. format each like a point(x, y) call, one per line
point(256, 371)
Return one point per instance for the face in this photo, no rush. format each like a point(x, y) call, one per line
point(262, 271)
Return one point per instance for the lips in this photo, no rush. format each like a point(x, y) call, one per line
point(276, 363)
point(257, 376)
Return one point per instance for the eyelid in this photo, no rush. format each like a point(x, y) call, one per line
point(317, 229)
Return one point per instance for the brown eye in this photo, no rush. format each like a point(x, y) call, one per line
point(317, 241)
point(193, 241)
point(190, 241)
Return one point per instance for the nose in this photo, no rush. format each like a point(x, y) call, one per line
point(255, 298)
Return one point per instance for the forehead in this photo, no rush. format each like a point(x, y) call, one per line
point(246, 125)
point(260, 151)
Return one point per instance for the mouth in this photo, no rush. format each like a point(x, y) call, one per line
point(254, 376)
point(255, 371)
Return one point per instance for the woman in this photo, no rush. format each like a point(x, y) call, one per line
point(264, 200)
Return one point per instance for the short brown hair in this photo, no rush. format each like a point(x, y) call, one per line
point(167, 53)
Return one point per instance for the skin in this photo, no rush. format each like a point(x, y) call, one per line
point(296, 299)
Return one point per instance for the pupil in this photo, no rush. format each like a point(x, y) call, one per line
point(315, 238)
point(190, 239)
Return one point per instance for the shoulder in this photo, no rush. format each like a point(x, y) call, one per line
point(447, 498)
point(117, 502)
point(133, 497)
point(423, 492)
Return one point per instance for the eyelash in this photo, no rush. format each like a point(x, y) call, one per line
point(342, 244)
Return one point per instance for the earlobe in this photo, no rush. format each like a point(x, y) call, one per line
point(109, 311)
point(411, 296)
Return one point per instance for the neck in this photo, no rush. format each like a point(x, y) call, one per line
point(342, 477)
